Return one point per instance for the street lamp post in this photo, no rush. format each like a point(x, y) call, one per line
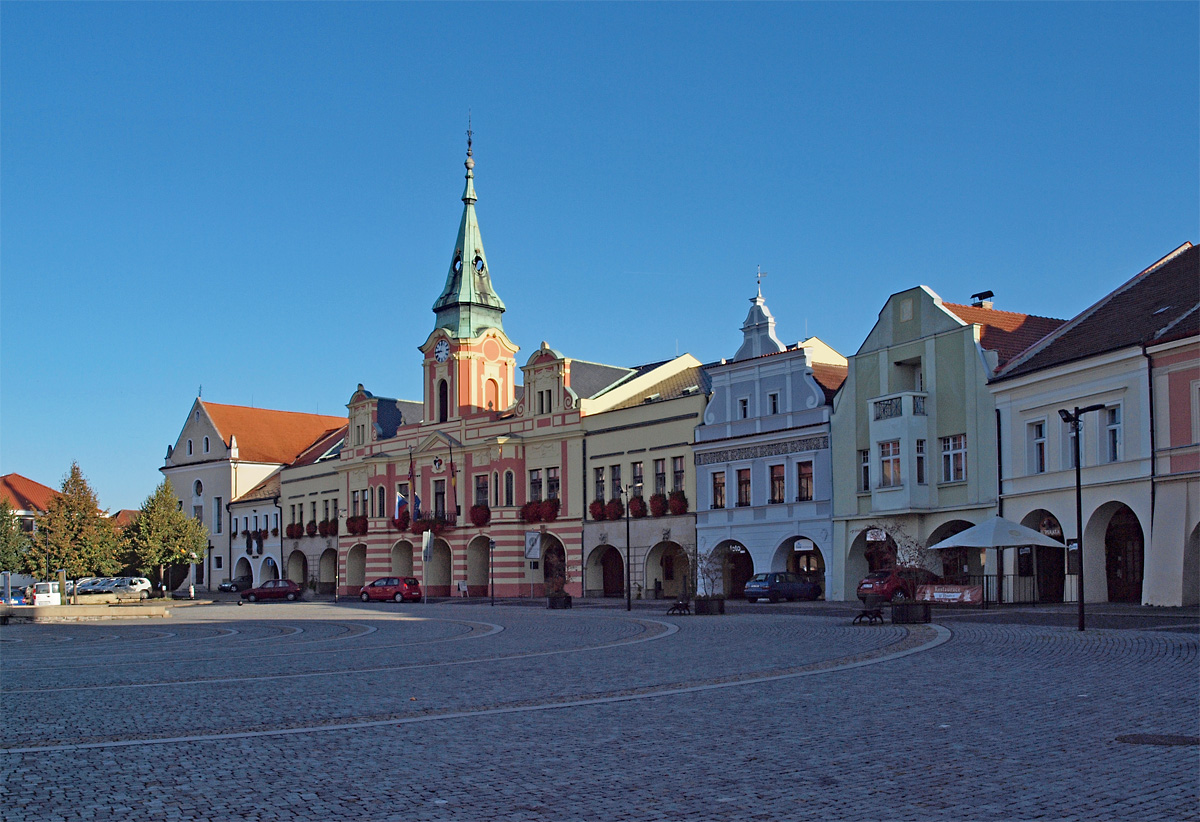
point(1073, 420)
point(628, 568)
point(492, 568)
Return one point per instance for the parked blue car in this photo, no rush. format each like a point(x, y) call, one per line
point(781, 585)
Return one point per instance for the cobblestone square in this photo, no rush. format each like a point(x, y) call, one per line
point(464, 711)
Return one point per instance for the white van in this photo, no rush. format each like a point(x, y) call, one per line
point(46, 593)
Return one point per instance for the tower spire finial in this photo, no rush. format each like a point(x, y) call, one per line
point(761, 274)
point(470, 162)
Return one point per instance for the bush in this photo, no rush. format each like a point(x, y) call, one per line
point(311, 528)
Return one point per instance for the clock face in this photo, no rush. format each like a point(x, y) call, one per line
point(441, 351)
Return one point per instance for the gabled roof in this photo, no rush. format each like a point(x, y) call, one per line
point(125, 517)
point(1005, 332)
point(328, 444)
point(269, 436)
point(392, 414)
point(1147, 306)
point(23, 494)
point(694, 380)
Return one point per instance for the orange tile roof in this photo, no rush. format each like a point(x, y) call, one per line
point(23, 494)
point(830, 377)
point(269, 436)
point(1006, 332)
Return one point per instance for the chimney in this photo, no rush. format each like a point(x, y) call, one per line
point(982, 300)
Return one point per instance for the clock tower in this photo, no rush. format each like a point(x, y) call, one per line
point(469, 361)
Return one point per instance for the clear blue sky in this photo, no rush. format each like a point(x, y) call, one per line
point(262, 198)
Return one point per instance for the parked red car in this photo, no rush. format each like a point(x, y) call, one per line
point(895, 583)
point(274, 589)
point(397, 589)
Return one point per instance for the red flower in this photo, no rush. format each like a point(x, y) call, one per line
point(402, 522)
point(550, 508)
point(678, 503)
point(658, 505)
point(637, 507)
point(531, 512)
point(481, 515)
point(311, 528)
point(596, 510)
point(615, 509)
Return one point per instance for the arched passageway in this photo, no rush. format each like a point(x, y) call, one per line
point(297, 568)
point(327, 569)
point(356, 567)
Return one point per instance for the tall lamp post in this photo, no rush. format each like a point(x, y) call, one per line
point(628, 568)
point(1073, 420)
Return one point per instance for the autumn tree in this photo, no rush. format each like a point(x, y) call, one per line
point(14, 542)
point(163, 535)
point(74, 534)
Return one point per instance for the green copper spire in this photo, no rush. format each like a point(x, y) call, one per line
point(468, 304)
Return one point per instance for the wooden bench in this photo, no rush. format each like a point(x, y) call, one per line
point(680, 607)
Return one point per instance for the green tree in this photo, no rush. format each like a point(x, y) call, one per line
point(163, 535)
point(74, 534)
point(14, 542)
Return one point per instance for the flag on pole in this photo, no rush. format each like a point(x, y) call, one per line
point(412, 486)
point(453, 490)
point(401, 503)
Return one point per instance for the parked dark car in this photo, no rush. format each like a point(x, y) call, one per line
point(274, 589)
point(397, 589)
point(779, 585)
point(895, 584)
point(236, 584)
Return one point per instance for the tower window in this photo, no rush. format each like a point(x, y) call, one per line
point(443, 401)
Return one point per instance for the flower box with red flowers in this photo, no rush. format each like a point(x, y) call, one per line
point(480, 515)
point(637, 507)
point(550, 508)
point(615, 509)
point(311, 528)
point(678, 503)
point(658, 505)
point(596, 510)
point(531, 512)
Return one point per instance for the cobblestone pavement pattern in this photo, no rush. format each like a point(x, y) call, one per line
point(387, 712)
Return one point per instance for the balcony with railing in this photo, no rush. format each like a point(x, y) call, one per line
point(887, 408)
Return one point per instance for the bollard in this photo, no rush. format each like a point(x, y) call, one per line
point(191, 592)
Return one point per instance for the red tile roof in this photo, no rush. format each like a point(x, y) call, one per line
point(319, 448)
point(1142, 310)
point(269, 436)
point(23, 494)
point(830, 377)
point(125, 517)
point(1005, 332)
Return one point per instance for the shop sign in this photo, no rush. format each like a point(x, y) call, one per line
point(970, 594)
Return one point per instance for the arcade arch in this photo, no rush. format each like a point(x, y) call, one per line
point(1049, 564)
point(477, 567)
point(297, 568)
point(356, 566)
point(327, 571)
point(402, 558)
point(668, 571)
point(605, 573)
point(437, 570)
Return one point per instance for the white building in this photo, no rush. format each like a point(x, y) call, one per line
point(1104, 361)
point(764, 483)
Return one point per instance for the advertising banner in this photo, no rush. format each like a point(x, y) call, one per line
point(971, 594)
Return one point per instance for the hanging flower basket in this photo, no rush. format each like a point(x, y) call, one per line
point(658, 505)
point(678, 503)
point(333, 527)
point(294, 530)
point(615, 509)
point(481, 515)
point(311, 528)
point(596, 510)
point(531, 512)
point(246, 533)
point(275, 531)
point(357, 525)
point(637, 508)
point(402, 522)
point(550, 509)
point(323, 527)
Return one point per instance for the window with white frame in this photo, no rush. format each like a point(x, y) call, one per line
point(535, 484)
point(216, 515)
point(1071, 432)
point(743, 487)
point(1112, 433)
point(954, 458)
point(804, 481)
point(864, 470)
point(920, 448)
point(777, 484)
point(639, 479)
point(676, 473)
point(1036, 436)
point(660, 476)
point(718, 489)
point(552, 483)
point(889, 464)
point(614, 474)
point(743, 413)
